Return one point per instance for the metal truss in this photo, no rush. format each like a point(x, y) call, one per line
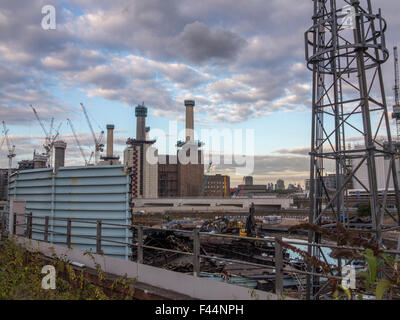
point(345, 49)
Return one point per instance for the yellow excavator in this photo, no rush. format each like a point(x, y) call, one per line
point(250, 228)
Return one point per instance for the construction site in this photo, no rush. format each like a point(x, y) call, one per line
point(185, 233)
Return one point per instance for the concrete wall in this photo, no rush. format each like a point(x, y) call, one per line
point(191, 177)
point(88, 193)
point(283, 203)
point(150, 175)
point(168, 178)
point(144, 175)
point(197, 288)
point(382, 169)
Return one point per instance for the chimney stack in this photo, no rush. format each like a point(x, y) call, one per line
point(39, 161)
point(110, 140)
point(141, 114)
point(147, 133)
point(189, 120)
point(59, 147)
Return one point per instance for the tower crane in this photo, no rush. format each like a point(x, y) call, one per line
point(49, 137)
point(78, 143)
point(98, 144)
point(11, 149)
point(2, 142)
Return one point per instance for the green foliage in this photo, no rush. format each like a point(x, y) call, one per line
point(253, 294)
point(21, 278)
point(370, 275)
point(385, 264)
point(381, 288)
point(382, 277)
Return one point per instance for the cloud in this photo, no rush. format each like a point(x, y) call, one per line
point(238, 62)
point(73, 58)
point(269, 168)
point(302, 151)
point(197, 43)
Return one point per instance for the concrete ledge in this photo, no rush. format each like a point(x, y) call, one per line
point(243, 203)
point(188, 285)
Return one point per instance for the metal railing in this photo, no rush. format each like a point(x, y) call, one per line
point(278, 267)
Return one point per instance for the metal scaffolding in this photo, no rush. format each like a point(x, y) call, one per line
point(396, 91)
point(345, 49)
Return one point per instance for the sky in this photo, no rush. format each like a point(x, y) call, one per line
point(241, 61)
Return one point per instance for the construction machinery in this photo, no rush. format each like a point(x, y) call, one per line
point(49, 137)
point(249, 229)
point(98, 141)
point(79, 144)
point(11, 148)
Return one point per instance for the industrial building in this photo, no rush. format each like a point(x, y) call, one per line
point(89, 193)
point(248, 181)
point(4, 183)
point(38, 162)
point(361, 176)
point(217, 186)
point(245, 190)
point(177, 179)
point(280, 185)
point(382, 167)
point(265, 202)
point(142, 169)
point(168, 177)
point(110, 159)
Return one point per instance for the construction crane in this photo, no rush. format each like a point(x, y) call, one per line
point(2, 142)
point(78, 143)
point(396, 89)
point(49, 137)
point(11, 149)
point(98, 144)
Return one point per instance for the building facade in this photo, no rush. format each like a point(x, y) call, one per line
point(141, 159)
point(176, 179)
point(90, 193)
point(183, 175)
point(280, 185)
point(382, 169)
point(217, 186)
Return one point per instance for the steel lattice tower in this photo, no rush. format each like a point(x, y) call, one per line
point(345, 49)
point(396, 91)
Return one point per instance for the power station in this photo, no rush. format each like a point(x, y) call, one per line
point(165, 220)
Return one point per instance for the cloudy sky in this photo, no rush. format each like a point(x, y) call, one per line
point(242, 61)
